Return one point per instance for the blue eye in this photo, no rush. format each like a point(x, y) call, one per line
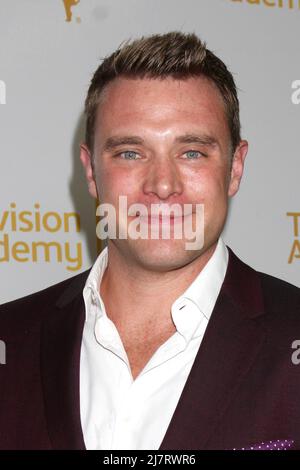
point(128, 155)
point(193, 154)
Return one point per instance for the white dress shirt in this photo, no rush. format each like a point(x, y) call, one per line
point(118, 412)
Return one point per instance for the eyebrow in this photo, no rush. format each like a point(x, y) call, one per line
point(203, 139)
point(113, 142)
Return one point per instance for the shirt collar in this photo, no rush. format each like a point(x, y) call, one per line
point(91, 291)
point(205, 288)
point(202, 293)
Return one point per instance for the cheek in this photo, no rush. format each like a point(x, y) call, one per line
point(114, 182)
point(211, 190)
point(207, 186)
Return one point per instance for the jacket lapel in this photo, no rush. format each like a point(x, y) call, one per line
point(60, 366)
point(233, 338)
point(230, 346)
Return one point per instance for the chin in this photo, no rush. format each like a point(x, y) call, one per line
point(162, 255)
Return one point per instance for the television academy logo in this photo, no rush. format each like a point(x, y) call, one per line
point(46, 236)
point(287, 4)
point(295, 249)
point(69, 4)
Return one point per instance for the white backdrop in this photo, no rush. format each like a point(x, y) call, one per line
point(46, 64)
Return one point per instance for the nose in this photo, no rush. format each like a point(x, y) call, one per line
point(163, 179)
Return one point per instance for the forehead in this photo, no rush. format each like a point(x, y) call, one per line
point(191, 91)
point(159, 103)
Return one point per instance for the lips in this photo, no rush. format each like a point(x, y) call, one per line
point(161, 218)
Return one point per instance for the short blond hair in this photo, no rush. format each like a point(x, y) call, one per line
point(174, 54)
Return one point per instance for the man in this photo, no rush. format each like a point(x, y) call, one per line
point(157, 346)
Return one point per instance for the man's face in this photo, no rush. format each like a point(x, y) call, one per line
point(164, 141)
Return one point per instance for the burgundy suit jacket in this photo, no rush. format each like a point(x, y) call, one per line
point(243, 388)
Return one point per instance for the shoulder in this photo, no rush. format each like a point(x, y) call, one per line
point(279, 295)
point(32, 307)
point(258, 292)
point(281, 317)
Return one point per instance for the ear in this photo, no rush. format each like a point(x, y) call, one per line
point(86, 160)
point(237, 167)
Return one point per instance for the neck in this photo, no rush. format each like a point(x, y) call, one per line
point(133, 293)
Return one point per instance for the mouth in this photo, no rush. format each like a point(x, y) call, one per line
point(162, 218)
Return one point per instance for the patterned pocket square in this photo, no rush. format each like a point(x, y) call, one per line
point(280, 444)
